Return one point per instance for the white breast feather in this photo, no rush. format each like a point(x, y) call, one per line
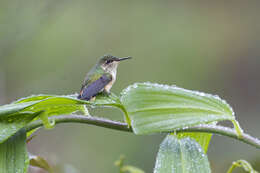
point(110, 84)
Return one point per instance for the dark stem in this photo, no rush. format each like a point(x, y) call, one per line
point(124, 127)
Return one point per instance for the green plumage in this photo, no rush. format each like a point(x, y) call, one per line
point(94, 74)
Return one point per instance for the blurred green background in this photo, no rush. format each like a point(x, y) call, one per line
point(47, 46)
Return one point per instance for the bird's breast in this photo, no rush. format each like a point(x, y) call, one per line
point(110, 84)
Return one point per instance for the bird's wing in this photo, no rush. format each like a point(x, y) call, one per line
point(93, 88)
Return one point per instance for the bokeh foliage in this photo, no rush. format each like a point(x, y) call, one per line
point(48, 46)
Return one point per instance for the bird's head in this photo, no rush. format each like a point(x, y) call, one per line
point(109, 63)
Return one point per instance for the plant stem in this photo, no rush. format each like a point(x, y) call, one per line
point(243, 164)
point(124, 127)
point(84, 120)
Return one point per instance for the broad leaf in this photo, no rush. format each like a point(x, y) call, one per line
point(11, 109)
point(52, 105)
point(181, 156)
point(33, 98)
point(101, 100)
point(13, 154)
point(202, 138)
point(21, 112)
point(57, 105)
point(11, 125)
point(159, 108)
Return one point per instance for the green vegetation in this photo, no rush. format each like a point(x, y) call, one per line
point(189, 116)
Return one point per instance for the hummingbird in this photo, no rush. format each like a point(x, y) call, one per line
point(101, 77)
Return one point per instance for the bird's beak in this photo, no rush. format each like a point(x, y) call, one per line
point(124, 58)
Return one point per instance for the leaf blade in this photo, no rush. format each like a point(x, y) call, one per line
point(181, 156)
point(161, 108)
point(21, 112)
point(13, 124)
point(13, 154)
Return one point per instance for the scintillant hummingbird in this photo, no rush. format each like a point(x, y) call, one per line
point(101, 77)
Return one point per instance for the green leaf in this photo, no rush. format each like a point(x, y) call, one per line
point(13, 154)
point(111, 101)
point(104, 100)
point(101, 100)
point(18, 114)
point(40, 162)
point(57, 105)
point(11, 109)
point(11, 125)
point(60, 105)
point(181, 156)
point(159, 108)
point(202, 138)
point(33, 98)
point(242, 164)
point(21, 112)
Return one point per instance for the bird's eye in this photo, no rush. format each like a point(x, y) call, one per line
point(109, 61)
